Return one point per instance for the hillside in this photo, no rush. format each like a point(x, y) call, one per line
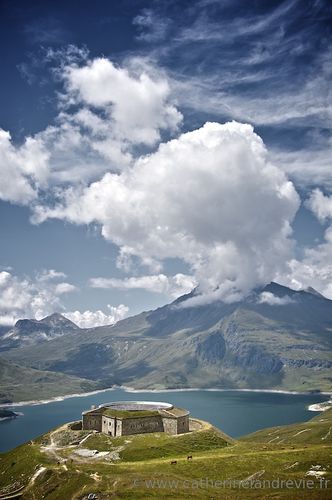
point(19, 383)
point(72, 464)
point(248, 344)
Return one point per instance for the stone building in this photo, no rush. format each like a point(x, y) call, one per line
point(136, 417)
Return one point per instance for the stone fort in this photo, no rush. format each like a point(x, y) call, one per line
point(123, 418)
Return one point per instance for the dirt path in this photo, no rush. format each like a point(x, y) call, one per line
point(36, 474)
point(51, 449)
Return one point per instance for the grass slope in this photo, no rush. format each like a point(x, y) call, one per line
point(317, 431)
point(19, 383)
point(139, 467)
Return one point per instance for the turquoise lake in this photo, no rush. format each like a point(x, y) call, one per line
point(236, 413)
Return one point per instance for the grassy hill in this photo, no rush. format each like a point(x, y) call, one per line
point(71, 464)
point(19, 383)
point(317, 431)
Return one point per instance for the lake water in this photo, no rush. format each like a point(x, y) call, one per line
point(236, 413)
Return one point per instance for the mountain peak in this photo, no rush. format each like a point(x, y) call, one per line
point(54, 315)
point(311, 290)
point(56, 319)
point(277, 289)
point(31, 331)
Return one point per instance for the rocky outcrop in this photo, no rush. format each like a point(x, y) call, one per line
point(257, 360)
point(212, 349)
point(308, 363)
point(248, 355)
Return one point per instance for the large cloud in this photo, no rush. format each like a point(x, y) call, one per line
point(209, 197)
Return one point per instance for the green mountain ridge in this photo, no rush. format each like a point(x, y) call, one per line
point(247, 345)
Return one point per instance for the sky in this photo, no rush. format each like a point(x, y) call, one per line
point(151, 147)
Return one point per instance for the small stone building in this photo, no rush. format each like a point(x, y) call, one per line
point(136, 417)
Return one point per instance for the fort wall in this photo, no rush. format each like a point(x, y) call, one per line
point(142, 425)
point(92, 420)
point(182, 424)
point(171, 421)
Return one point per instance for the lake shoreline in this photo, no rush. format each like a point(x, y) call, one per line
point(187, 389)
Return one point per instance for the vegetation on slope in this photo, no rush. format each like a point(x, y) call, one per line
point(112, 412)
point(19, 383)
point(247, 344)
point(143, 466)
point(317, 431)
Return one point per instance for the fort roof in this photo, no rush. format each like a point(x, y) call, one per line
point(137, 405)
point(112, 412)
point(174, 412)
point(138, 409)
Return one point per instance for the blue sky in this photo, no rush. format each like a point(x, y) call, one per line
point(115, 195)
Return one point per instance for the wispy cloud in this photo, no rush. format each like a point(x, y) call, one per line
point(151, 27)
point(266, 65)
point(47, 30)
point(173, 286)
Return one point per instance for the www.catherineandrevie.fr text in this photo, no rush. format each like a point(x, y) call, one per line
point(204, 483)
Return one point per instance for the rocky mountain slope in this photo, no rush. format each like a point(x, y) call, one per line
point(275, 338)
point(30, 331)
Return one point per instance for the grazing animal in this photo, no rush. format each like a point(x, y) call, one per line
point(174, 462)
point(189, 457)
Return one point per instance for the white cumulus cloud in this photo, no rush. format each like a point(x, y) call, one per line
point(210, 198)
point(90, 319)
point(315, 267)
point(23, 169)
point(42, 295)
point(320, 205)
point(135, 97)
point(31, 297)
point(105, 112)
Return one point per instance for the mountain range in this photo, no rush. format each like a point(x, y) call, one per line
point(276, 338)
